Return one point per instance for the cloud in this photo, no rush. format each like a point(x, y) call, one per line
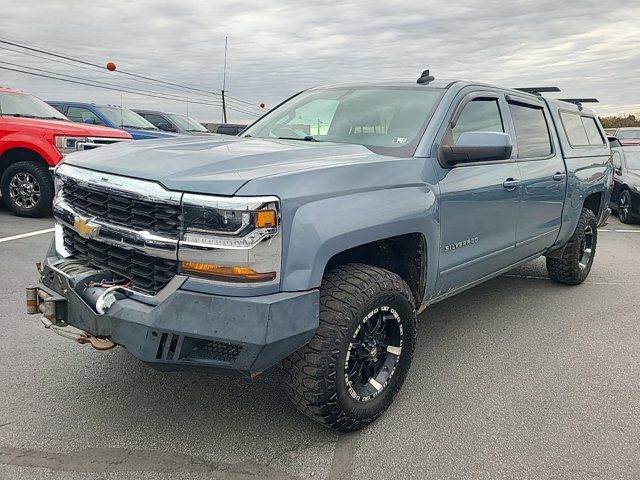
point(276, 48)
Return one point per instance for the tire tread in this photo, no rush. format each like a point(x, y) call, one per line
point(310, 372)
point(566, 269)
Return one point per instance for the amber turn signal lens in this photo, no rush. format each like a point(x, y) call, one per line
point(238, 274)
point(266, 219)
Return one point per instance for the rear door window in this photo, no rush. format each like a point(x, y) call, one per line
point(593, 132)
point(532, 131)
point(575, 129)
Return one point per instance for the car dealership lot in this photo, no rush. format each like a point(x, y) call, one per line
point(517, 378)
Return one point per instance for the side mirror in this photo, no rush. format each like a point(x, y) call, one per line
point(165, 127)
point(90, 121)
point(474, 147)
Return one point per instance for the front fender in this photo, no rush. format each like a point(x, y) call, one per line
point(326, 227)
point(39, 145)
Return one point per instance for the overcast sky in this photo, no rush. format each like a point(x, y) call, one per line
point(276, 48)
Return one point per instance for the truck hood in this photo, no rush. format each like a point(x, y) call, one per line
point(63, 127)
point(215, 164)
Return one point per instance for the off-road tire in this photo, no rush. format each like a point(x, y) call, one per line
point(42, 176)
point(567, 269)
point(315, 374)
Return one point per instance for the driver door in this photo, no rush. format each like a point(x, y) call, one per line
point(478, 201)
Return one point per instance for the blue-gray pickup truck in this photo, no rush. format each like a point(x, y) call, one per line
point(314, 239)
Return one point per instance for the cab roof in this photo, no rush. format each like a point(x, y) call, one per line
point(447, 84)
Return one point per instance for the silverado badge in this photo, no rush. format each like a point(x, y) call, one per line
point(81, 225)
point(462, 243)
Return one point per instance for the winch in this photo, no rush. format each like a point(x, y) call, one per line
point(97, 288)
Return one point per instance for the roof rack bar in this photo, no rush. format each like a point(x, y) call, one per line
point(538, 90)
point(578, 101)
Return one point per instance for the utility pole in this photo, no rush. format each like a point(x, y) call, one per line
point(224, 80)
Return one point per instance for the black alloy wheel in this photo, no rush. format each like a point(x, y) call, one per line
point(624, 207)
point(373, 354)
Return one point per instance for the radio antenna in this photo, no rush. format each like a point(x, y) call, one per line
point(224, 80)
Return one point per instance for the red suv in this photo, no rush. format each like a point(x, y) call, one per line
point(34, 137)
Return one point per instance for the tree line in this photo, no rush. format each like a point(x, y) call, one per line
point(616, 121)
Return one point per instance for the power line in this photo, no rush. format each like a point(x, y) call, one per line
point(88, 69)
point(92, 69)
point(103, 87)
point(231, 107)
point(131, 74)
point(120, 89)
point(137, 90)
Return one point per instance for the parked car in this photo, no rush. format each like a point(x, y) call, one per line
point(226, 128)
point(33, 138)
point(316, 237)
point(111, 116)
point(611, 132)
point(626, 187)
point(628, 135)
point(173, 122)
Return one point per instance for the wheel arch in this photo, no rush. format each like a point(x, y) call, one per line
point(20, 154)
point(593, 202)
point(405, 255)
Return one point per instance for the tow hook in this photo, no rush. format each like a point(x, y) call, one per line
point(78, 335)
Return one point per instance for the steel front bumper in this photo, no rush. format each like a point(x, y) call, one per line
point(187, 330)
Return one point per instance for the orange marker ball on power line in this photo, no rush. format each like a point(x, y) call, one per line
point(111, 66)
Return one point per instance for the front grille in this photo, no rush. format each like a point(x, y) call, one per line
point(148, 274)
point(119, 209)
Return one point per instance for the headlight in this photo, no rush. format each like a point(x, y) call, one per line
point(67, 145)
point(637, 188)
point(231, 239)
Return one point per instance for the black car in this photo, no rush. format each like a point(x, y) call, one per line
point(226, 128)
point(626, 189)
point(173, 122)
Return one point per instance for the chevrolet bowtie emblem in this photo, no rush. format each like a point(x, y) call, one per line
point(83, 228)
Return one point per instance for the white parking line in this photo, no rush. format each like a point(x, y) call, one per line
point(25, 235)
point(618, 231)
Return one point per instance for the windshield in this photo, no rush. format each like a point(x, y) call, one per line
point(628, 134)
point(23, 105)
point(388, 120)
point(186, 123)
point(632, 159)
point(123, 118)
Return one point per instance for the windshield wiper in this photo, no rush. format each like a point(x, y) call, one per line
point(21, 115)
point(54, 118)
point(307, 138)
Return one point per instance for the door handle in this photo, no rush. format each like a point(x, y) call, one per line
point(559, 176)
point(511, 183)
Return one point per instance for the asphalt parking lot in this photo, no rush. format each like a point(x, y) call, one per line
point(517, 378)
